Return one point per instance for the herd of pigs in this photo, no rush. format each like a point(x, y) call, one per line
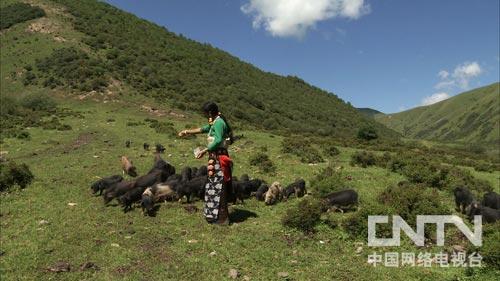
point(162, 183)
point(488, 208)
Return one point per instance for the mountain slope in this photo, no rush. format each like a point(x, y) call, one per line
point(368, 112)
point(103, 47)
point(472, 116)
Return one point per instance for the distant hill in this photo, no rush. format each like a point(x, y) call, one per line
point(368, 112)
point(86, 46)
point(472, 116)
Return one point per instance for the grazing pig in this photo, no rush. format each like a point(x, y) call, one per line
point(175, 177)
point(194, 171)
point(202, 171)
point(146, 146)
point(164, 191)
point(261, 192)
point(463, 198)
point(492, 200)
point(130, 197)
point(341, 200)
point(298, 188)
point(274, 193)
point(147, 201)
point(162, 165)
point(186, 174)
point(489, 215)
point(195, 186)
point(156, 176)
point(243, 189)
point(127, 167)
point(105, 183)
point(244, 178)
point(117, 190)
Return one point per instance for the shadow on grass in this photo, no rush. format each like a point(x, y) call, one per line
point(240, 215)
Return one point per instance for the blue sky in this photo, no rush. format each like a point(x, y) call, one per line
point(389, 55)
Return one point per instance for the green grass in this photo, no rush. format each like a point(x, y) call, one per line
point(158, 248)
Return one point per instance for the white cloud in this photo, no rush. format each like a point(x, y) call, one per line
point(460, 77)
point(437, 97)
point(443, 74)
point(463, 73)
point(292, 18)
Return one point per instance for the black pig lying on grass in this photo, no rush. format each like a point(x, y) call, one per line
point(105, 183)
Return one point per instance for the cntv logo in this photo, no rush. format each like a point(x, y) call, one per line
point(418, 237)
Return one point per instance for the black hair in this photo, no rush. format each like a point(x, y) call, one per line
point(212, 109)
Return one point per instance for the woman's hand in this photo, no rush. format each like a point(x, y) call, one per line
point(183, 133)
point(201, 153)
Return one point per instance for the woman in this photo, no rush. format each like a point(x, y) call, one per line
point(219, 164)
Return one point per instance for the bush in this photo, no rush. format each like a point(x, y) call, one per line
point(432, 174)
point(13, 174)
point(18, 12)
point(461, 177)
point(23, 135)
point(304, 216)
point(363, 158)
point(263, 162)
point(367, 133)
point(160, 127)
point(332, 151)
point(327, 181)
point(38, 102)
point(409, 200)
point(302, 148)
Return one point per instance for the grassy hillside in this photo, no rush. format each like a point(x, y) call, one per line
point(369, 112)
point(472, 116)
point(95, 47)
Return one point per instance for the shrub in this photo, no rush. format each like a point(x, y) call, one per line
point(18, 12)
point(304, 216)
point(409, 200)
point(12, 174)
point(262, 161)
point(332, 151)
point(23, 135)
point(397, 164)
point(432, 174)
point(462, 177)
point(367, 133)
point(363, 158)
point(38, 102)
point(301, 148)
point(327, 181)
